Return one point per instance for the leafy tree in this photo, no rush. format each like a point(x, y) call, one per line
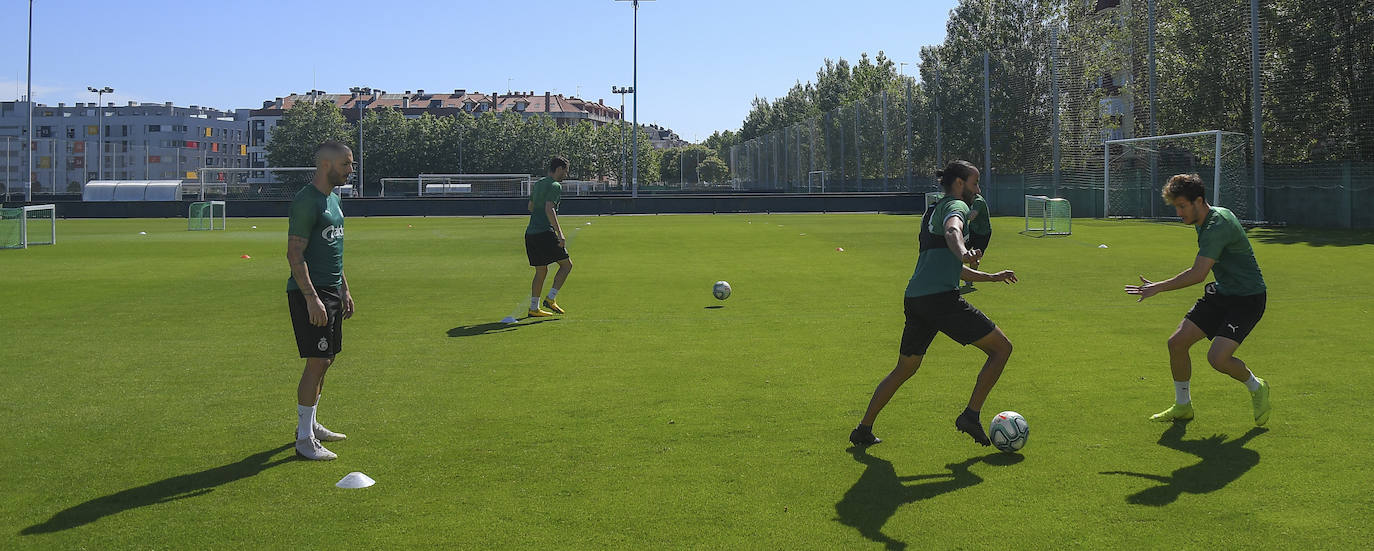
point(303, 128)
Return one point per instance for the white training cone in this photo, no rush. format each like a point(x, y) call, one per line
point(355, 480)
point(255, 227)
point(509, 319)
point(1102, 246)
point(143, 233)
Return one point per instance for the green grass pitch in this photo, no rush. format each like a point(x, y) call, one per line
point(149, 386)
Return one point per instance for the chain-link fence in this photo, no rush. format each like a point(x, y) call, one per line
point(1032, 95)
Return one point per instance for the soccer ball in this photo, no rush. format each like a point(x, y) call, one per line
point(721, 290)
point(1009, 431)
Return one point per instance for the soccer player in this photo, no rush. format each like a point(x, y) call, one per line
point(317, 290)
point(544, 242)
point(1230, 307)
point(980, 231)
point(933, 304)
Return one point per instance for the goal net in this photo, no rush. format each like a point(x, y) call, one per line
point(30, 225)
point(1048, 216)
point(500, 185)
point(1136, 170)
point(933, 197)
point(206, 215)
point(815, 181)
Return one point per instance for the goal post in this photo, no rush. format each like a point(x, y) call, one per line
point(1136, 169)
point(1048, 216)
point(203, 215)
point(815, 180)
point(28, 225)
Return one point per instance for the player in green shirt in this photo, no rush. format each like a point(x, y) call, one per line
point(317, 291)
point(980, 231)
point(544, 242)
point(933, 305)
point(1229, 308)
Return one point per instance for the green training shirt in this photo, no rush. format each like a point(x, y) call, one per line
point(546, 190)
point(318, 218)
point(980, 224)
point(937, 270)
point(1222, 238)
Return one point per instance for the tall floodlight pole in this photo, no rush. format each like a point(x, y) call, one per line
point(623, 133)
point(28, 187)
point(99, 129)
point(634, 175)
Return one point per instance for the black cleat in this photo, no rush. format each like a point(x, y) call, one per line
point(863, 438)
point(969, 424)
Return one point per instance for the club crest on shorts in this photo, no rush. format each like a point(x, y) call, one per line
point(324, 344)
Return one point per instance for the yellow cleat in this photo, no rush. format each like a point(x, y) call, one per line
point(540, 314)
point(1176, 412)
point(552, 306)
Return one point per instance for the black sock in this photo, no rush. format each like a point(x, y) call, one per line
point(970, 412)
point(864, 428)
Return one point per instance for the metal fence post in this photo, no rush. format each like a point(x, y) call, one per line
point(987, 133)
point(1257, 112)
point(886, 175)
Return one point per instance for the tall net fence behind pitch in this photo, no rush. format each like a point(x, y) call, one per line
point(1138, 169)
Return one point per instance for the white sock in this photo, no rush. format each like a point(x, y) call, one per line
point(534, 303)
point(305, 421)
point(1252, 383)
point(1181, 394)
point(553, 292)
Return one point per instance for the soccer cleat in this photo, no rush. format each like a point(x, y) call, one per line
point(970, 425)
point(327, 435)
point(540, 313)
point(1176, 412)
point(1260, 399)
point(311, 449)
point(552, 306)
point(863, 438)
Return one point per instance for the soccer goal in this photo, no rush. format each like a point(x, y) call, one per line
point(506, 185)
point(1048, 216)
point(204, 214)
point(933, 197)
point(1136, 169)
point(815, 181)
point(30, 225)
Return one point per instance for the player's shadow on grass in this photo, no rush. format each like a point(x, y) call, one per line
point(162, 491)
point(493, 327)
point(1222, 463)
point(879, 492)
point(1316, 237)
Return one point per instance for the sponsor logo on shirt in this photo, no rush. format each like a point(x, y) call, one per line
point(331, 233)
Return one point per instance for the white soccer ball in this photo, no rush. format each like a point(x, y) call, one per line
point(721, 290)
point(1008, 431)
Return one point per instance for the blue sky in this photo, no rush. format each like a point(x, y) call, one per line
point(700, 61)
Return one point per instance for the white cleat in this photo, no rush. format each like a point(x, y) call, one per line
point(327, 435)
point(311, 449)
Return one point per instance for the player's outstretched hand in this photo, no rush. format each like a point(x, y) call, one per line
point(1005, 276)
point(1144, 290)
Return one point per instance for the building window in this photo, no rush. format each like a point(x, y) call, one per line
point(154, 128)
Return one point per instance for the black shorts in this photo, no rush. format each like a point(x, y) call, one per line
point(946, 313)
point(314, 341)
point(542, 248)
point(1228, 316)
